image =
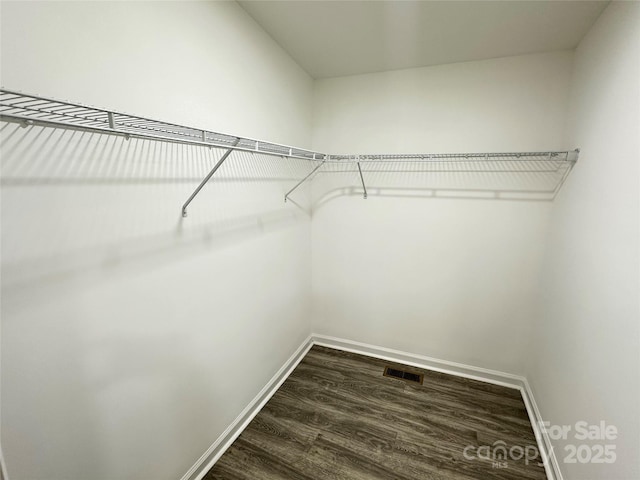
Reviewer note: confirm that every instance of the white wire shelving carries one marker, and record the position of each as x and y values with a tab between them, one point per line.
28	109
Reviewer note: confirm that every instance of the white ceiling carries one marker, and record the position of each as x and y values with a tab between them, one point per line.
336	38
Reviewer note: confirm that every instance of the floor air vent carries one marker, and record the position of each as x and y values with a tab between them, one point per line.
403	375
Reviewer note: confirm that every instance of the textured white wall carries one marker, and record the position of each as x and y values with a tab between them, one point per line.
131	338
451	278
584	355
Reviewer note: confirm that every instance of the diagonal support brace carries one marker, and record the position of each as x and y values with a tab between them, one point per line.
206	179
364	187
286	195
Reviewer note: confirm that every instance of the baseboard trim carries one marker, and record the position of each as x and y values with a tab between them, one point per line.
421	361
224	441
552	466
215	451
495	377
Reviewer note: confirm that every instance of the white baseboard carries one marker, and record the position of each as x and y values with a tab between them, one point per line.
421	361
552	466
215	451
495	377
224	441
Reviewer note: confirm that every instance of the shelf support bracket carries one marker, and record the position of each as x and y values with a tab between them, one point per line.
206	179
364	187
286	195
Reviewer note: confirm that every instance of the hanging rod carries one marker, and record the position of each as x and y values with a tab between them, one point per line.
28	109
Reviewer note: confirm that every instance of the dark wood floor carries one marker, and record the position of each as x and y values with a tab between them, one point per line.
338	417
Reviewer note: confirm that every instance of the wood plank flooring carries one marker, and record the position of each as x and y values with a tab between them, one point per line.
337	417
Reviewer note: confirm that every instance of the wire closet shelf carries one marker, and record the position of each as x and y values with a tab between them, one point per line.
28	110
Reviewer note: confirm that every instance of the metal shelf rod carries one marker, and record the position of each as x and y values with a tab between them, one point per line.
20	107
364	187
27	109
23	120
205	180
286	195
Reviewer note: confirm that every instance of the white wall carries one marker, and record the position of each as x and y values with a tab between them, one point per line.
584	355
120	320
132	338
506	103
451	278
